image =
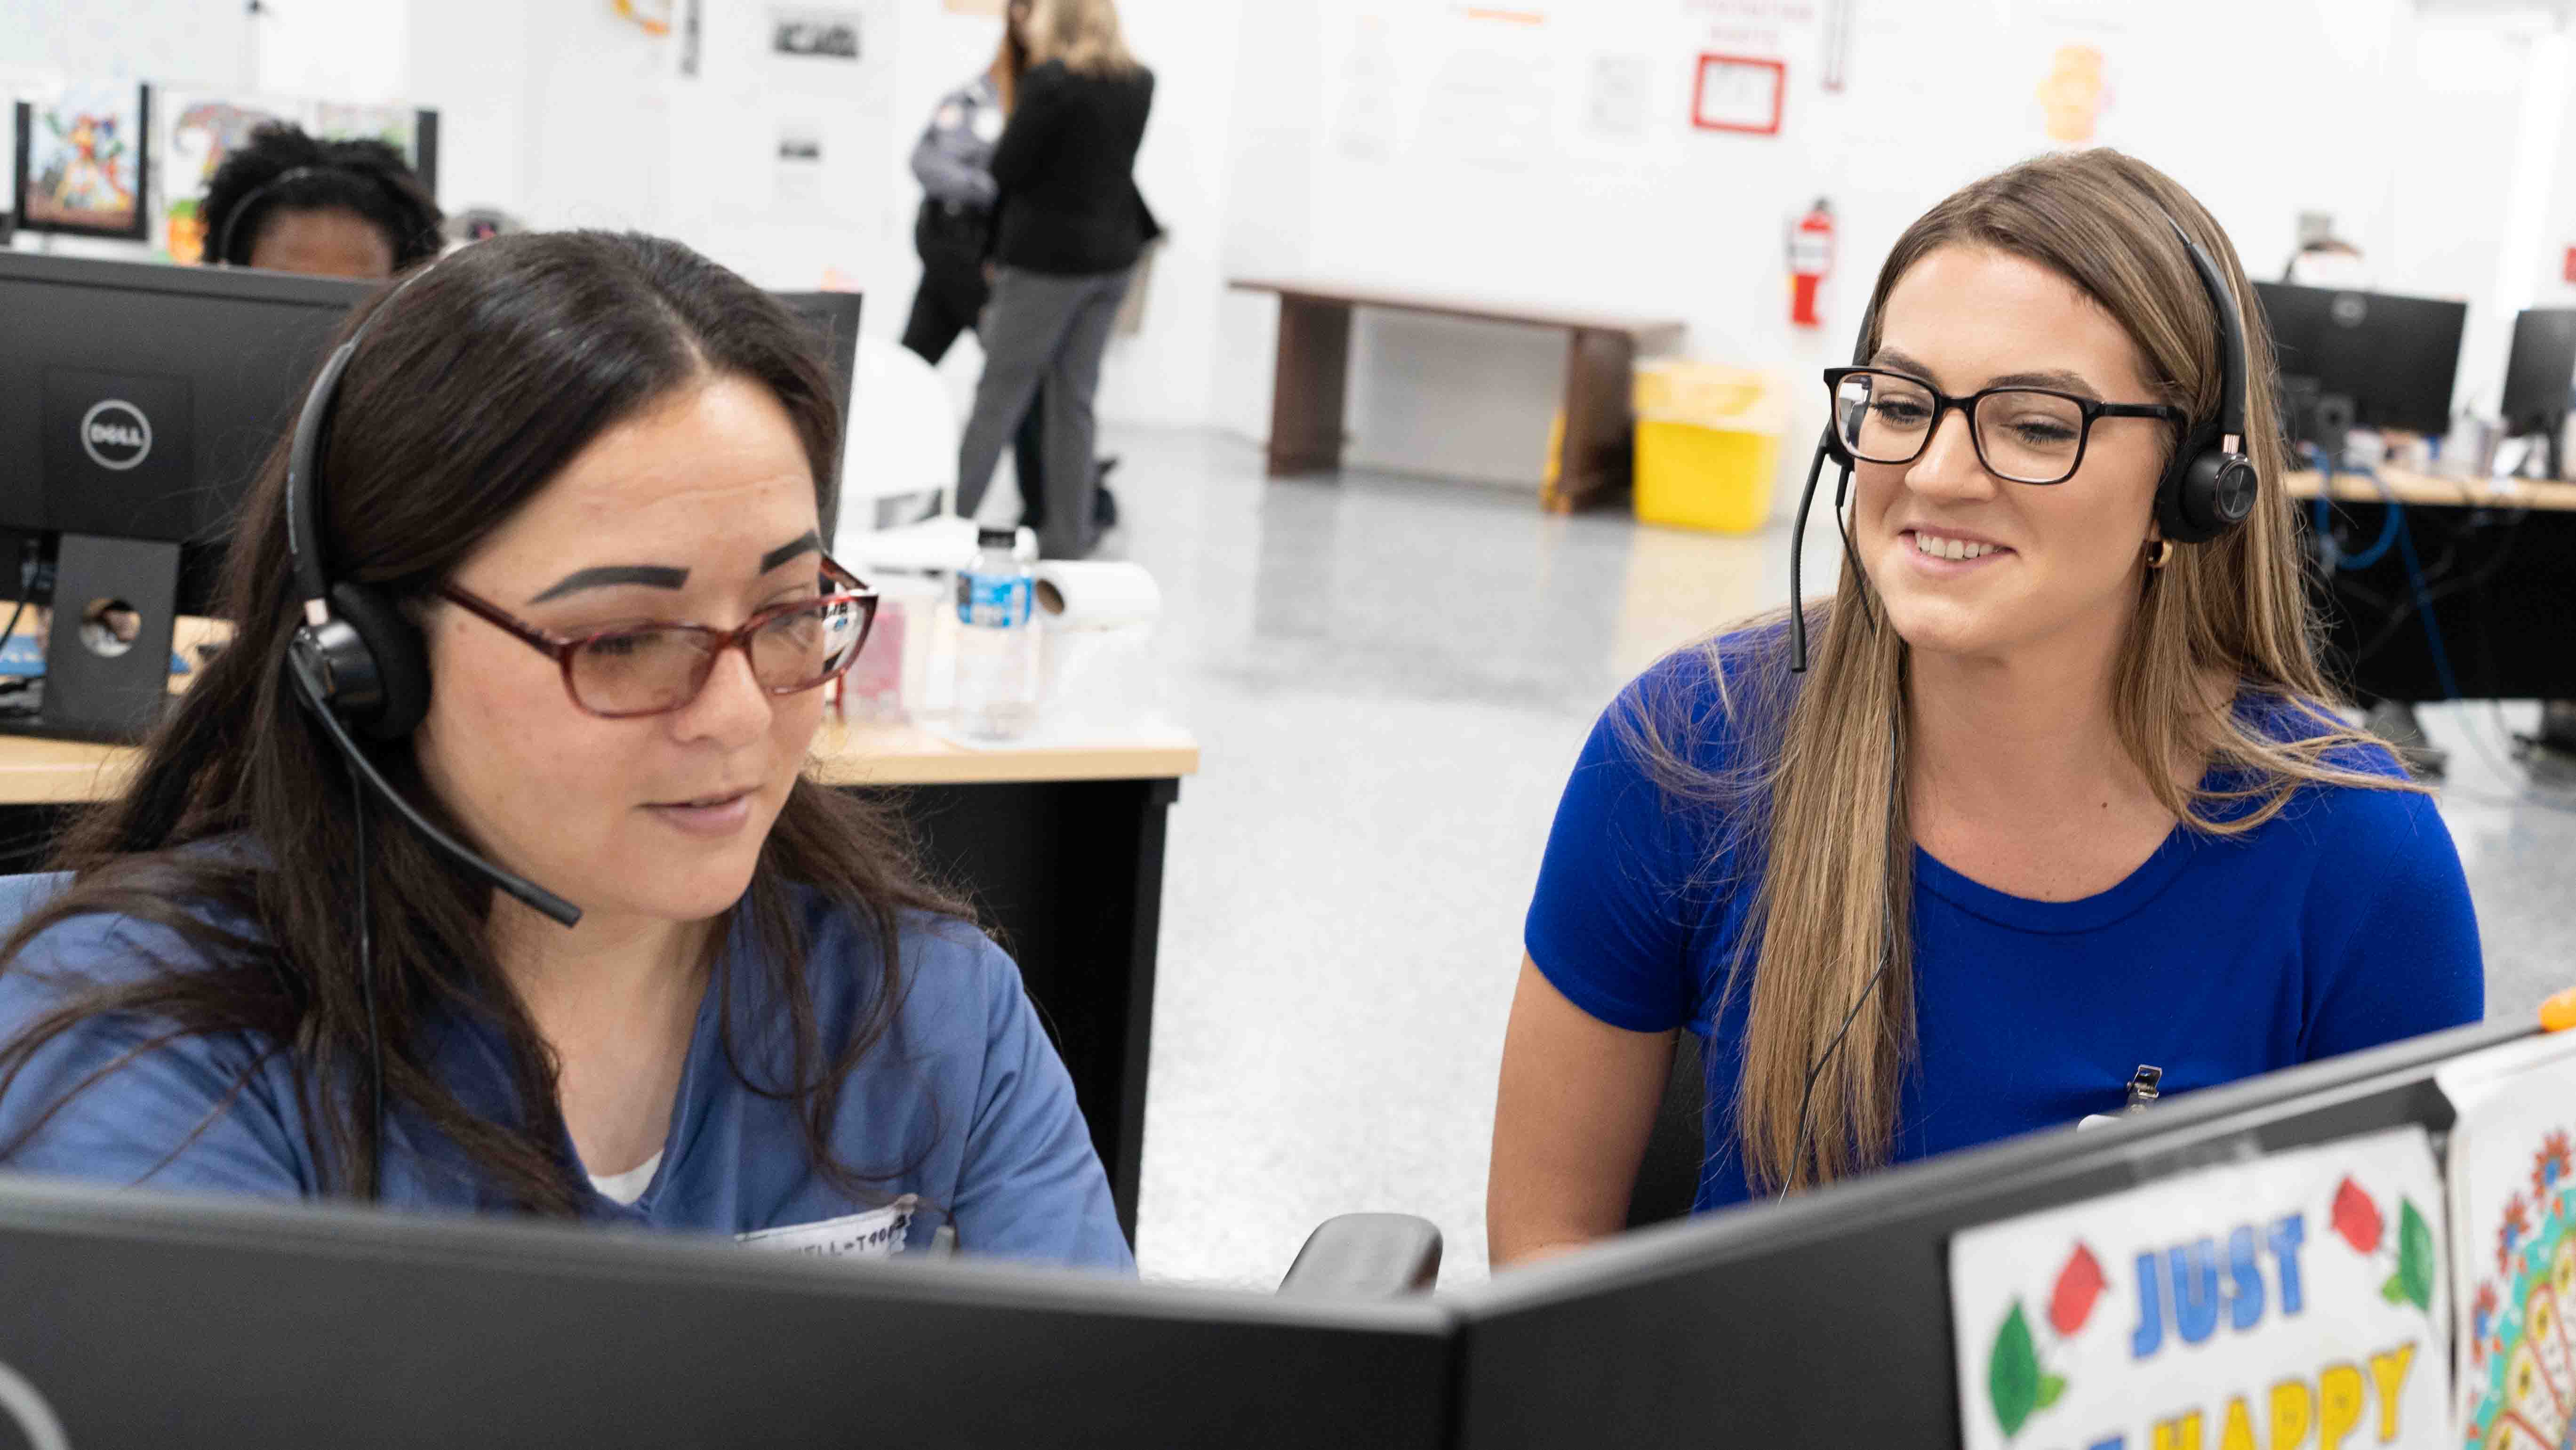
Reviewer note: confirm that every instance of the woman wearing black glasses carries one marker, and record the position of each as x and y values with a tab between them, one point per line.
2060	797
589	469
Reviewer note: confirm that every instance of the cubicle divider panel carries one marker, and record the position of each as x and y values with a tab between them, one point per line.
1826	1320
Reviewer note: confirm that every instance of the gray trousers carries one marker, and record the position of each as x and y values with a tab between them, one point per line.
1042	331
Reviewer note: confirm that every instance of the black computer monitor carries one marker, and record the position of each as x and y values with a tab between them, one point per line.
143	1319
834	315
2393	359
137	402
2538	375
1723	1329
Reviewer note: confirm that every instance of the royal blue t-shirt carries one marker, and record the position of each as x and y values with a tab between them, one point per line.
964	1105
2341	923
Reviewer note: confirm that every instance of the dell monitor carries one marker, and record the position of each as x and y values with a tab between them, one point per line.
2383	361
137	402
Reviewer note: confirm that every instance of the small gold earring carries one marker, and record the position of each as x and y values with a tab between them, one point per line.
2159	553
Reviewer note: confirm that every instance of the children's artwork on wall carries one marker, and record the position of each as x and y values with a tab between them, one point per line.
82	156
2513	1195
2300	1298
197	130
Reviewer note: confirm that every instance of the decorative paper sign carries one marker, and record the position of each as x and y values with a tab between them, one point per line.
1740	93
2513	1196
2294	1301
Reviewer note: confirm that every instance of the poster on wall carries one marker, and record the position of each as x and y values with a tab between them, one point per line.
1740	93
196	130
2513	1195
2300	1298
815	33
82	156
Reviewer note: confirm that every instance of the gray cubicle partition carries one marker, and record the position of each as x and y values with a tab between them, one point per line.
1826	1320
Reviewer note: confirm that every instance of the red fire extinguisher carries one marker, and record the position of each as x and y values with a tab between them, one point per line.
1811	260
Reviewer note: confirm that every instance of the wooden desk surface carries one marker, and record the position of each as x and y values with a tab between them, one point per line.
49	772
2432	491
1647	331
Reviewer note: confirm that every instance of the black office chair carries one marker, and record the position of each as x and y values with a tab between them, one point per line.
1368	1255
1668	1176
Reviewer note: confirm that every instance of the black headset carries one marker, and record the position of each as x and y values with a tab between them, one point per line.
356	662
2207	490
223	252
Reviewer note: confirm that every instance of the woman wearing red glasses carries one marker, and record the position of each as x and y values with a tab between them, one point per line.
588	473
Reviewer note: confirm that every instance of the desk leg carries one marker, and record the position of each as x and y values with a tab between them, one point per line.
1594	458
1310	386
1069	875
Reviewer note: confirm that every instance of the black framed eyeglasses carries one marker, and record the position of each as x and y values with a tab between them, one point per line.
2024	435
653	669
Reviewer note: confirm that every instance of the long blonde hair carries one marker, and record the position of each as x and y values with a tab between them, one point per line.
1815	809
1083	34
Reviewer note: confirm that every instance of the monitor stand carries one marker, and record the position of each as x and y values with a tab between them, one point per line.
2547	431
97	686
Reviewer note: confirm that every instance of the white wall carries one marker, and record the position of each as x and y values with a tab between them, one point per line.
1396	141
2403	129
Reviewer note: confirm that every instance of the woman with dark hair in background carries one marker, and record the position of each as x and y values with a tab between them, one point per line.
1070	228
287	202
582	477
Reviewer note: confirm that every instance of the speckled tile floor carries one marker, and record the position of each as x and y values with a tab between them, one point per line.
1389	679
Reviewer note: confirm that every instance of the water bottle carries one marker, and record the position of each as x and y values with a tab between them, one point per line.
996	640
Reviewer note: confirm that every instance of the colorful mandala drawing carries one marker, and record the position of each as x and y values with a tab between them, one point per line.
2522	1347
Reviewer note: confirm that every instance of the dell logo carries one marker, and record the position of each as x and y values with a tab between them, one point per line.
115	434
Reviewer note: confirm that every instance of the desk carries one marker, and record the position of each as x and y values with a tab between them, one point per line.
1061	848
1310	387
2499	562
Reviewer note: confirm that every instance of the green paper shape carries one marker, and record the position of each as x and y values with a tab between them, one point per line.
2012	1373
2051	1388
2416	1258
2394	1291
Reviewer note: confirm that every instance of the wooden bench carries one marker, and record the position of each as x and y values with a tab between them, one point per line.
1312	383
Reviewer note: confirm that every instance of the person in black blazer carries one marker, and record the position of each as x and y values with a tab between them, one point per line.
1069	227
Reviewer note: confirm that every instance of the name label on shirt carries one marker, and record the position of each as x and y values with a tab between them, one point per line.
876	1234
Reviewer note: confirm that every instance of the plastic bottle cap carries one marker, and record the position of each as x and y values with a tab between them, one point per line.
2559	1012
996	538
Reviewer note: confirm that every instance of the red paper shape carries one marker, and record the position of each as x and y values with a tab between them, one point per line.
1716	72
2079	1284
2357	1218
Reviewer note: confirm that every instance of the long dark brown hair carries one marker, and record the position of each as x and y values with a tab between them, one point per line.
239	830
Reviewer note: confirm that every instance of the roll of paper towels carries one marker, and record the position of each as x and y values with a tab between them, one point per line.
1080	595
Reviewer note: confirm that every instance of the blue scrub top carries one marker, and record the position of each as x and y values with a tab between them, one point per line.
963	1105
2342	923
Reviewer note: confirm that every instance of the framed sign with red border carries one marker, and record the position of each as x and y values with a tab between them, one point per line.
1740	93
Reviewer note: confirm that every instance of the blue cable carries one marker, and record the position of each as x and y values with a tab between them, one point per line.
2323	517
2392	532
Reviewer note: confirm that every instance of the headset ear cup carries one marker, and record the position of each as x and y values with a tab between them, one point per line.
401	659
